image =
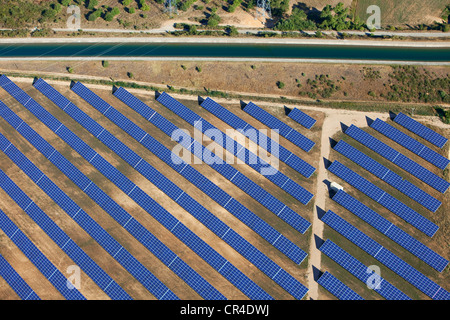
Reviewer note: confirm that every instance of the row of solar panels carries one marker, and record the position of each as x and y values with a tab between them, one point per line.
258	137
103	238
386	257
421	130
236	177
388	176
398	158
411	144
222	230
385	199
177	228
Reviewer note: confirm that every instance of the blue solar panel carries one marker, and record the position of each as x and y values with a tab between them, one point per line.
261	139
411	144
188	115
399	159
380	253
50	272
192	206
273	123
229	172
421	130
15	281
302	118
388	176
148	204
351	233
360	271
391	231
337	287
383	198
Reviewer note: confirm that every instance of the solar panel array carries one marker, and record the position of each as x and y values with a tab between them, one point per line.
211	256
258	137
382	254
397	158
388	176
302	118
104	239
384	198
15	281
411	144
89	266
237	178
337	287
218	227
273	123
360	271
391	231
48	269
199	180
421	130
234	147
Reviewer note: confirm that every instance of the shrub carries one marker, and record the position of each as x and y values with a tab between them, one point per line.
130	75
105	64
94	15
65	3
280	84
90	4
70	69
199	69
